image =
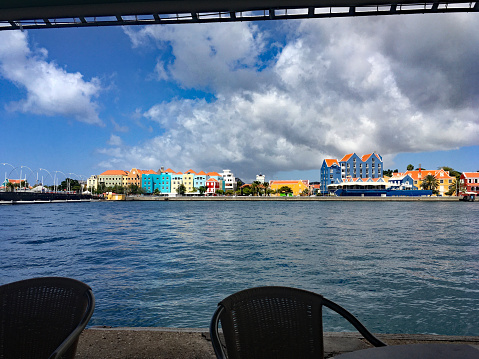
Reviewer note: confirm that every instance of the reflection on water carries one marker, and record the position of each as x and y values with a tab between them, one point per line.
399	267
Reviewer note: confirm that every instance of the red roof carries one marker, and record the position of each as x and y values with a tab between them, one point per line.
347	157
114	173
213	174
201	173
470	174
331	161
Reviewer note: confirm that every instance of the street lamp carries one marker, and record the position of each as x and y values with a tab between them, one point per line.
10	171
43	169
26	175
61	173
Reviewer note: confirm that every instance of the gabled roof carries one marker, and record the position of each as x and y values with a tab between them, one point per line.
366	157
471	174
169	170
114	173
346	157
179	173
190	171
331	161
211	180
436	173
148	172
201	173
213	174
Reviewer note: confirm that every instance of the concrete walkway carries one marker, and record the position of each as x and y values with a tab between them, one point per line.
173	343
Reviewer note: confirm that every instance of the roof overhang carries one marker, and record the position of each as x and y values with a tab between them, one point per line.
16	14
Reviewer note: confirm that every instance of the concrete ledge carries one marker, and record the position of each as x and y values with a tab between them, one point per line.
317	198
179	343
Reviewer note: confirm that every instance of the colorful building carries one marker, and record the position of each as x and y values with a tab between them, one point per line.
298	186
350	166
156	181
189	180
443	178
469	182
113	178
135	177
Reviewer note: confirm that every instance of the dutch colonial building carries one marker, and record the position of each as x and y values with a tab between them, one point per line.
157	181
200	180
350	166
297	187
443	178
189	180
134	177
470	182
113	178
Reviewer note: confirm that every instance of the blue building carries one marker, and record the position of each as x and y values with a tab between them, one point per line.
330	174
151	182
350	166
404	182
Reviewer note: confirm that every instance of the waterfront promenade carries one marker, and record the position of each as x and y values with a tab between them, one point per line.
314	198
173	343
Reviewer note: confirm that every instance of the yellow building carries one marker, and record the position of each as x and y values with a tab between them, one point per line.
189	180
443	178
298	186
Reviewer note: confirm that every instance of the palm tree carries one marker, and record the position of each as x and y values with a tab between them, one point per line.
10	186
430	183
265	188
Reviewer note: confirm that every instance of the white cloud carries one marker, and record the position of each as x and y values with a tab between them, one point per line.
345	85
115	140
50	90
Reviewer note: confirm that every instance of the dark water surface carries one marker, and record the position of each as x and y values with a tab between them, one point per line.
399	267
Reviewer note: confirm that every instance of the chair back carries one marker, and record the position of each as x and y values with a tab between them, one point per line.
43	317
274	322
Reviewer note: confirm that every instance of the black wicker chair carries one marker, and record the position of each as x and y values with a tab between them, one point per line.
43	317
275	322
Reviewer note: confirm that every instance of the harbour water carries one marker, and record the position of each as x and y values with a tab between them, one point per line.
399	267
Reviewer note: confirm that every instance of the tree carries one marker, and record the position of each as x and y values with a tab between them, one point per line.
10	187
456	187
305	192
202	190
157	191
430	183
410	167
388	172
285	190
220	192
265	186
229	192
181	190
255	188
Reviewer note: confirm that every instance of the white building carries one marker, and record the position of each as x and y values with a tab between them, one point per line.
260	178
92	183
230	180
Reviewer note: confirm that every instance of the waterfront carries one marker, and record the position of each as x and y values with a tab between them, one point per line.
399	267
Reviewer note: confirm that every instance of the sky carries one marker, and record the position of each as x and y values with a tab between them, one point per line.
273	97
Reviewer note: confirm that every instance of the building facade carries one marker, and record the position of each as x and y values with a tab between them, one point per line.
469	182
334	171
443	178
229	180
112	178
298	187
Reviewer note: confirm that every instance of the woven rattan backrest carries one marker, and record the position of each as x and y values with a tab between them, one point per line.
273	322
37	315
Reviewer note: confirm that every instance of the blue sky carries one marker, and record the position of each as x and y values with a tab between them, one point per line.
266	97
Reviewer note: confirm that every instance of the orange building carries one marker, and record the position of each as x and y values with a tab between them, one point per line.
134	176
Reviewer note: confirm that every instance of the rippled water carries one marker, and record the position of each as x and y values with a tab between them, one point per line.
399	267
